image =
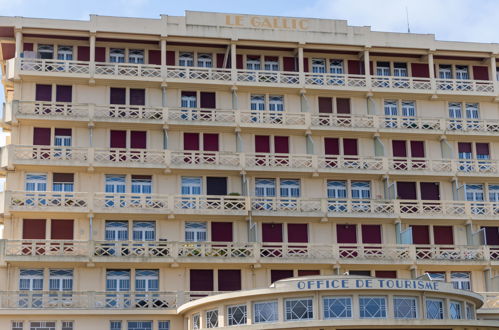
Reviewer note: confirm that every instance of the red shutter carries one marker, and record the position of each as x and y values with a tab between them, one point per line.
43	92
63	93
443	235
343	105
62	229
491	235
221	232
354	66
191	141
305	64
229	280
118	95
220	60
280	274
289	63
420	234
262	143
371	234
350	147
170	58
331	146
346	233
325	105
138	139
63	177
272	232
28	47
386	273
118	139
239	62
420	70
399	148
83	53
155	57
417	148
34	228
210	142
41	136
306	272
482	149
281	144
430	191
208	100
100	54
464	147
62	132
297	233
137	96
406	190
201	280
480	73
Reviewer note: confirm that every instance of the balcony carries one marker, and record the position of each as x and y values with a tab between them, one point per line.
491	302
264	78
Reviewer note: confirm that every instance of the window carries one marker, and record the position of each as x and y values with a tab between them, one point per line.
43	325
118	280
62	140
63	182
195	232
455	310
383	69
472	111
65	53
237	314
494	193
265	311
17	325
434	309
265	187
337	189
336	66
115	183
460	280
372	307
196	322
141	184
146	280
455	110
31	279
139	325
462	72
205	61
136	56
474	192
164	325
361	190
437	276
409	108
116	231
470	311
117	55
186	59
271	64
212	318
46	52
290	188
61	280
445	71
253	63
400	70
298	309
276	103
337	307
144	230
36	182
191	185
318	65
115	325
67	325
188	100
405	307
257	102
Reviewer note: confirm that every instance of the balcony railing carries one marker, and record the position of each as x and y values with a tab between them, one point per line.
491	300
250	251
253	77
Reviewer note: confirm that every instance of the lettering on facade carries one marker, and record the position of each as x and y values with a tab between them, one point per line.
367	284
266	22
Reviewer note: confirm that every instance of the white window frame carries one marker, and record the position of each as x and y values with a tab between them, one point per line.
186	59
267	316
461	280
453	310
413	308
195	231
367	301
61	280
65	53
306	302
117	55
343	301
136	56
319	65
146	280
336	66
231	310
144	230
433	301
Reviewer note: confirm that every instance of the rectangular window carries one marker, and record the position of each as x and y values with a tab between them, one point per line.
229	279
372	307
253	63
298	309
115	183
31	279
61	280
408	108
461	280
17	325
201	280
462	72
271	63
265	311
65	53
237	315
337	189
212	319
400	70
164	325
116	231
117	55
405	307
336	66
205	61
141	184
46	52
318	65
42	325
186	59
383	69
191	185
139	325
67	325
290	188
196	322
337	307
36	182
195	231
434	309
63	182
361	190
257	102
445	71
470	311
265	188
146	280
144	231
188	100
276	103
136	56
118	280
115	325
455	310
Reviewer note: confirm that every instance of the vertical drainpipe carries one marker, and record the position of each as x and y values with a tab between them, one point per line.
164	104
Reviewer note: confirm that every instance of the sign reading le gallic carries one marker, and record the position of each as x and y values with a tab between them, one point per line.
267	22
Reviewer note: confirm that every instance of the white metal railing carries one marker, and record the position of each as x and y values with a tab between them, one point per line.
268	77
335	80
401	83
465	85
199	115
127	112
47	200
204	158
75	155
54	66
198	73
46	247
129	156
59	110
128	70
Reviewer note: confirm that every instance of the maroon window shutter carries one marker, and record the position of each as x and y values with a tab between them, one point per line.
491	235
138	139
210	142
100	54
137	96
62	229
406	190
281	144
34	228
386	273
208	100
307	272
63	177
331	146
28	47
420	70
430	191
480	73
371	234
464	147
354	67
118	139
420	234
191	141
346	233
83	53
170	57
305	64
272	232
280	274
482	149
221	232
41	136
118	95
262	143
220	60
350	147
325	105
155	57
63	93
343	105
62	132
229	280
201	280
43	92
443	235
417	148
239	62
289	63
399	148
297	233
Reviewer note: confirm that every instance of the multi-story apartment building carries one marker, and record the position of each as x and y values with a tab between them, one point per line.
161	174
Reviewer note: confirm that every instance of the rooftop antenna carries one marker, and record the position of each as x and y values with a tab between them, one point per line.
407	17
